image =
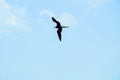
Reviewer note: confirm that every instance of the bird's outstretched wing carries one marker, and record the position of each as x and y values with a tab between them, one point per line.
54	20
59	34
65	26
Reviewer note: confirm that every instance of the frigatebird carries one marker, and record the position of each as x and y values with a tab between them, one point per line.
59	27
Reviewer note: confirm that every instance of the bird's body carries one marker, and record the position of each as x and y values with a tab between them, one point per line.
59	27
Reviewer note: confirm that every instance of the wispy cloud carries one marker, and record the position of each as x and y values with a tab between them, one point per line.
64	18
5	32
68	19
91	5
91	2
96	3
12	17
47	12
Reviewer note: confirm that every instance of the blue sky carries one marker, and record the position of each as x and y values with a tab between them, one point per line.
30	49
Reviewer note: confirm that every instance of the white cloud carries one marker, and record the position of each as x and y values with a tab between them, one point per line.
96	3
20	12
91	2
66	19
5	32
12	17
17	23
47	12
91	5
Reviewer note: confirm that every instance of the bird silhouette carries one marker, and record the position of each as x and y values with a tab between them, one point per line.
59	27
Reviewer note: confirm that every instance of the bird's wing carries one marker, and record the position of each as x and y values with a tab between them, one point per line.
65	26
54	20
59	34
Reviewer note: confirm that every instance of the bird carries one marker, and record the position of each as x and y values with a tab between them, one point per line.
59	27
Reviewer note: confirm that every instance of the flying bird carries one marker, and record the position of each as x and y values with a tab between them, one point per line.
59	27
